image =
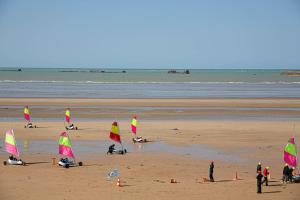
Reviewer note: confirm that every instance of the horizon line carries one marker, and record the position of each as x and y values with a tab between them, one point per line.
156	68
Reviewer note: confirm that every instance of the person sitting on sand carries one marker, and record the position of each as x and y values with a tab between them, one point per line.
211	171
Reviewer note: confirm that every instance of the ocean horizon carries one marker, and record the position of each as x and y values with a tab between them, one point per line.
147	83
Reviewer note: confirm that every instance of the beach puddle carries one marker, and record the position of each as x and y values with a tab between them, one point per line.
84	149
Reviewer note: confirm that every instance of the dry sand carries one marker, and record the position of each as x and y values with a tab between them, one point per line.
147	175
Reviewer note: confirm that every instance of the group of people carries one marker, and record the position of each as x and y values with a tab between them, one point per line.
288	173
262	176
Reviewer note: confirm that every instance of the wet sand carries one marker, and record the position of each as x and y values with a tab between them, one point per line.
147	174
11	109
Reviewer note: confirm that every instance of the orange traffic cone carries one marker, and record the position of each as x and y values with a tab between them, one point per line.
118	182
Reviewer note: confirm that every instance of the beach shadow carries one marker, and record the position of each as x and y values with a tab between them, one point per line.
224	181
159	181
271	192
275	185
272	181
90	165
126	185
34	163
141	143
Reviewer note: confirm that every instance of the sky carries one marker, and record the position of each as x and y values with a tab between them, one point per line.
150	34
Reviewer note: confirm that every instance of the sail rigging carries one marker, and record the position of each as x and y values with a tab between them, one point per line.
290	153
65	146
10	143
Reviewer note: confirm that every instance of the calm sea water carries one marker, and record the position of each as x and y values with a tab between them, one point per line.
154	83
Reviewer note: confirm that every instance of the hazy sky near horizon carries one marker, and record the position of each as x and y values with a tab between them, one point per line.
150	34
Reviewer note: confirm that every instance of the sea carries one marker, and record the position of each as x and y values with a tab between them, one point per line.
147	83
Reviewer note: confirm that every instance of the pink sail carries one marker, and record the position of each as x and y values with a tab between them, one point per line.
133	125
10	143
290	153
290	159
66	151
68	115
26	113
65	146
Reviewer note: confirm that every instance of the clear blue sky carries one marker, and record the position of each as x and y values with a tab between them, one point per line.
150	34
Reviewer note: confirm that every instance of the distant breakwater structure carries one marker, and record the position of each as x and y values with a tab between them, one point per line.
178	72
94	71
291	73
103	71
11	70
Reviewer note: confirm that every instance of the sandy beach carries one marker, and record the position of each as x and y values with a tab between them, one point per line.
235	133
135	100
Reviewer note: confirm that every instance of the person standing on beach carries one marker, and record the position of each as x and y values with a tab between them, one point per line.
285	173
290	174
259	179
258	168
211	171
265	174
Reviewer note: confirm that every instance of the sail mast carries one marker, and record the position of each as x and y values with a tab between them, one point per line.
295	146
10	143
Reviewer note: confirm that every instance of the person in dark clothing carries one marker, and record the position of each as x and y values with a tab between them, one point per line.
111	148
259	183
258	168
285	173
11	157
290	175
211	171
